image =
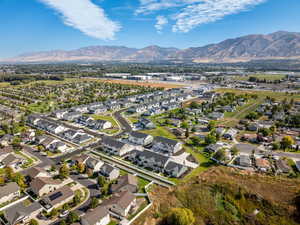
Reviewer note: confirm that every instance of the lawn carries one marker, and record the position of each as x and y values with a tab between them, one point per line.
160	131
141	184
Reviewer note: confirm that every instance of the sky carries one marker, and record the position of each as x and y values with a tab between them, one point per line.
41	25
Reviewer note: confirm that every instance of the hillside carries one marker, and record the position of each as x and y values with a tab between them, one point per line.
276	46
226	196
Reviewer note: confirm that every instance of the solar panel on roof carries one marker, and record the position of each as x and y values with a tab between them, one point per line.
55	196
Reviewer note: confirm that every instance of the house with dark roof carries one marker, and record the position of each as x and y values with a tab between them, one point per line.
57	198
98	216
139	138
21	213
110	172
166	145
297	163
174	169
115	147
9	192
93	164
245	161
149	159
230	134
127	182
120	203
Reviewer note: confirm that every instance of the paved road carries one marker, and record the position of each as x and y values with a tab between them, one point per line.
122	121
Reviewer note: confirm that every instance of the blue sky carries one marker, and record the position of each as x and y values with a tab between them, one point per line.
38	25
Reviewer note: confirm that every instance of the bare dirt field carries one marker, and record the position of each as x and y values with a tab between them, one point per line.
146	84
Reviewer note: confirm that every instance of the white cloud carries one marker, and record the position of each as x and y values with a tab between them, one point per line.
192	13
161	22
86	17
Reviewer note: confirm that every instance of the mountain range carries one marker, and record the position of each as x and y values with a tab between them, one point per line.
278	45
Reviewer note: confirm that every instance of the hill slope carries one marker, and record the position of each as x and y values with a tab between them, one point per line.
278	45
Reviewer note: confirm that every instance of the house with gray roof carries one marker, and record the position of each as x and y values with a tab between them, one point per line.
98	216
9	192
139	138
174	169
127	182
110	172
166	145
115	147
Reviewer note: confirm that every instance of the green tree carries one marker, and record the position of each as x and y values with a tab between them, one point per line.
210	139
94	203
72	218
64	171
212	125
234	151
33	222
180	216
101	181
66	206
63	222
77	198
80	167
9	173
53	213
287	142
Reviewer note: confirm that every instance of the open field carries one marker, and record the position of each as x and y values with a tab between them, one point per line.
261	94
268	77
223	195
145	84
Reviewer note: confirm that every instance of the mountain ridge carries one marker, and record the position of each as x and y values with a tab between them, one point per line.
277	45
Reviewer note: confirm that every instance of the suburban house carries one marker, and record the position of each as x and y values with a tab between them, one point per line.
44	185
282	166
148	159
262	164
82	158
127	182
100	125
4	152
6	139
59	113
57	198
166	146
94	164
98	216
213	148
12	160
230	134
115	147
139	138
174	169
245	161
19	213
9	192
35	172
121	203
110	172
71	116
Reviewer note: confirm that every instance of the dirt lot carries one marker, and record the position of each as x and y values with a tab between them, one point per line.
147	84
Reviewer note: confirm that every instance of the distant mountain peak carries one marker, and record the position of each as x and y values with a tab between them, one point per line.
277	45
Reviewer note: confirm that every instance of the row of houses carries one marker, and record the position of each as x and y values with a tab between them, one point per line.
75	136
157	162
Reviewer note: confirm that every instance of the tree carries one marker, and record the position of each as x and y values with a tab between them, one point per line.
77	198
105	189
94	203
287	142
187	132
63	222
9	173
196	141
2	180
33	222
66	206
19	179
53	213
180	216
220	155
234	151
184	125
72	218
64	171
275	146
80	167
210	139
212	125
101	181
